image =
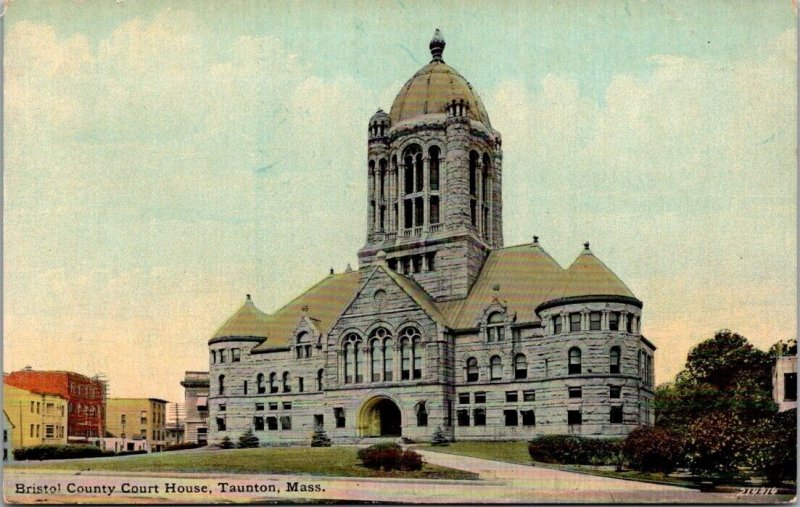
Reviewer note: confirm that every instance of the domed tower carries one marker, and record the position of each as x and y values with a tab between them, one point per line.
435	181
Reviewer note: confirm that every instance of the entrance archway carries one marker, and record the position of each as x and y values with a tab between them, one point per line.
380	417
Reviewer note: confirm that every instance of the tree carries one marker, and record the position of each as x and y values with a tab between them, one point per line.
652	449
248	440
784	348
439	438
726	374
717	445
320	438
226	443
772	447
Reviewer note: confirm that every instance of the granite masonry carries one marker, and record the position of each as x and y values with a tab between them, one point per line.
440	325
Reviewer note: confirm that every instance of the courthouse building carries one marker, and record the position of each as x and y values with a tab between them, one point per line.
441	325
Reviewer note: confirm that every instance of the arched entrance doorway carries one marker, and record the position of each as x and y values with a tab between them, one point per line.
379	417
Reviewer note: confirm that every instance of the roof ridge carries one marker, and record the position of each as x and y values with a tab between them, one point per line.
312	288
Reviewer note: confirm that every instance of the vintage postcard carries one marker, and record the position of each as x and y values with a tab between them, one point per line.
454	252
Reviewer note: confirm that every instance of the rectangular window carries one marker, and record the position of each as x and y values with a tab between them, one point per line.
222	355
287	405
273	406
38	407
258	423
286	422
479	416
50	408
245	387
259	406
528	418
143	416
511	417
615	415
463	399
790	386
528	395
418	215
338	414
32	430
49	431
575	392
594	321
615	392
629	323
408	213
613	321
480	397
574	417
319	421
431	261
236	355
557	324
434	209
144	434
222	408
220	424
300	384
272	423
512	396
574	322
448	413
416	263
463	417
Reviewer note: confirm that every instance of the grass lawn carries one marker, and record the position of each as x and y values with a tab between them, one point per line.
517	452
326	461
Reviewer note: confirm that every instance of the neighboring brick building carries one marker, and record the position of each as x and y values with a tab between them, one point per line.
38	418
85	397
441	325
195	385
137	419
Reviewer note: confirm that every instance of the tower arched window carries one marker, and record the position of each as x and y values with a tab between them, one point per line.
388	358
495	327
412	205
382	203
472	370
221	384
260	387
473	187
496	368
574	361
377	347
485	194
273	382
405	359
303	347
433	156
375	357
614	356
287	382
411	351
320	373
520	366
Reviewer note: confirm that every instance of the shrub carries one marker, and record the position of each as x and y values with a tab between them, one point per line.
128	453
439	437
651	449
51	451
716	445
182	446
569	449
248	440
320	438
226	443
389	456
772	447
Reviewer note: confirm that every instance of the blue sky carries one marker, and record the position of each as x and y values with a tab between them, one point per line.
165	158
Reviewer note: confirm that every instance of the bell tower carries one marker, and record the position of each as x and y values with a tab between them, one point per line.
434	173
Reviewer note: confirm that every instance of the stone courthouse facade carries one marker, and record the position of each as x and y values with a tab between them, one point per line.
441	325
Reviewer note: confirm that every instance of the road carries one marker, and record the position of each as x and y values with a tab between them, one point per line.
500	483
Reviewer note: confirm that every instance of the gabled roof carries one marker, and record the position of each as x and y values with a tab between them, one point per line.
418	294
522	275
325	302
588	277
247	321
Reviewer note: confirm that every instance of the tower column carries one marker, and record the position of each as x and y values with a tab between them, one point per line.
426	192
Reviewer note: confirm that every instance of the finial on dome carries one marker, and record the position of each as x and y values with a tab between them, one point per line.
586	246
248	297
437	46
536	240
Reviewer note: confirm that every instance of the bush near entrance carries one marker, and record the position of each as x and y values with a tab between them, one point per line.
390	456
574	450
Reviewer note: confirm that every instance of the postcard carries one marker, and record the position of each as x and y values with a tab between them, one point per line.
456	252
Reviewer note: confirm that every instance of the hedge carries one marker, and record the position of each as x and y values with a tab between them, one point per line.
389	456
51	451
653	449
574	450
182	446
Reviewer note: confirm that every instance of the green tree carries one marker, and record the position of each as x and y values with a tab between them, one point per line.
320	438
226	443
248	440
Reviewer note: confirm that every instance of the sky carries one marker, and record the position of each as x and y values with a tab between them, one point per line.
164	158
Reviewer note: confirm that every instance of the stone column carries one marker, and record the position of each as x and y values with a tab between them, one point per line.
426	191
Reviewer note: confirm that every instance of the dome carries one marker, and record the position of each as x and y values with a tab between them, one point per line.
433	87
247	322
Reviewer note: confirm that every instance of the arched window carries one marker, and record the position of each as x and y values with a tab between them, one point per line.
520	366
473	187
485	194
411	359
495	328
433	155
273	385
614	354
574	361
472	370
222	384
320	373
422	413
260	387
375	355
303	345
287	382
353	359
388	355
557	324
405	359
213	357
496	368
